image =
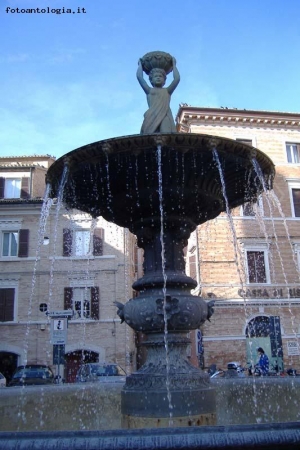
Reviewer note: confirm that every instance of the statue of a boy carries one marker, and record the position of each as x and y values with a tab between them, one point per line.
158	118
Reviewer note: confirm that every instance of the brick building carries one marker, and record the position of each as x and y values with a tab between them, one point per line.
57	261
250	264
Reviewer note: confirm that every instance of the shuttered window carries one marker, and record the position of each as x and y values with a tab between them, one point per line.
15	243
15	187
76	242
84	302
7	299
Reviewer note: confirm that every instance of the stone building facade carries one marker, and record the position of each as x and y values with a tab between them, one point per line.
249	262
56	261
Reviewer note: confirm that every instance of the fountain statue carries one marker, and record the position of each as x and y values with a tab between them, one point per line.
161	185
158	118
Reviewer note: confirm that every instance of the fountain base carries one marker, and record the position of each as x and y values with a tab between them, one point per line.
134	422
167	389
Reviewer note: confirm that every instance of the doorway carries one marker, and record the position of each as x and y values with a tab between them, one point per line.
265	332
8	364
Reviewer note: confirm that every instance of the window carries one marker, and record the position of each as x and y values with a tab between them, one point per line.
15	243
84	302
77	242
294	191
82	242
81	303
297	252
293	153
7	301
296	201
10	243
14	187
257	266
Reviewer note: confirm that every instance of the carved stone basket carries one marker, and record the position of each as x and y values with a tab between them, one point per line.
157	60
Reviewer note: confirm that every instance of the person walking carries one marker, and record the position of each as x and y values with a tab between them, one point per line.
263	362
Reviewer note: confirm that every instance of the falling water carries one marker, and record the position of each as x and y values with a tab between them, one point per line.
237	255
160	192
126	295
229	216
47	203
277	203
58	207
109	195
136	182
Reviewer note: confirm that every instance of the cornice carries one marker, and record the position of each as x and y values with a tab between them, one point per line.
190	115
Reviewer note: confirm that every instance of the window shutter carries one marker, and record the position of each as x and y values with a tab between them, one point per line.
2	184
67	242
25	187
68	295
192	264
95	301
98	242
23	243
7	297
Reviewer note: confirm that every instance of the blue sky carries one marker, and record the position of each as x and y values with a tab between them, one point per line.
67	80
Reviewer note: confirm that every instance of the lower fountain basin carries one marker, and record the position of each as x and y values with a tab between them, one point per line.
94	406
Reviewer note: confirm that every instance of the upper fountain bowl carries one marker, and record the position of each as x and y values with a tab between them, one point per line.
130	180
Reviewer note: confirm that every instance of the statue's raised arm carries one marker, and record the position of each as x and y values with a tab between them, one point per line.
158	118
139	75
176	77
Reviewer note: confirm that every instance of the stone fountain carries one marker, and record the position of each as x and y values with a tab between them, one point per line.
160	185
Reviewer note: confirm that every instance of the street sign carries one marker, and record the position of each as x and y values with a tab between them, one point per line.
58	354
64	313
59	327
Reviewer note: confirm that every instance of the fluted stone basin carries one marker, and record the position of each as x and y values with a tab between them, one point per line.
119	178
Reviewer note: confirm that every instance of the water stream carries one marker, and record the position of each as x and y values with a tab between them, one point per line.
237	257
163	259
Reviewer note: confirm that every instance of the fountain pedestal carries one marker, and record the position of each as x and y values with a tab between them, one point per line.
167	389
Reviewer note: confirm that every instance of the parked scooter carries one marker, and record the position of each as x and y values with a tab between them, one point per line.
234	369
257	372
292	372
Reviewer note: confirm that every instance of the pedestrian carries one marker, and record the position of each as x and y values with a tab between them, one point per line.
263	362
